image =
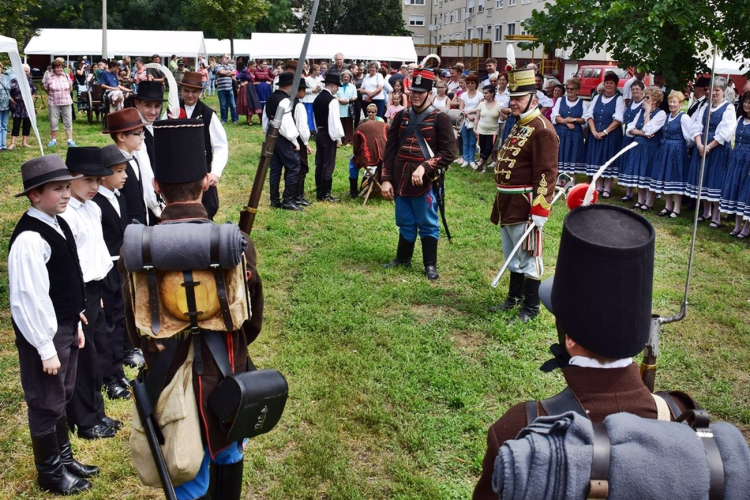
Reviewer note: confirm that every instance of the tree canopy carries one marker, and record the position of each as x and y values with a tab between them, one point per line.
361	17
672	36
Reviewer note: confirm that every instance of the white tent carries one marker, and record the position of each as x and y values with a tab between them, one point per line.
216	47
360	47
67	42
10	46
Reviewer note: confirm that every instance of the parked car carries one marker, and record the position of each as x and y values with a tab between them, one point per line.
591	76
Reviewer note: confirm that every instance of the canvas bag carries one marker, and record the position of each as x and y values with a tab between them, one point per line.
176	412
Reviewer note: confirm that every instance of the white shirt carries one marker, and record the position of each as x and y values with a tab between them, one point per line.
619	107
146	174
726	128
452	86
310	94
85	221
626	93
585	362
371	83
443	105
544	101
300	119
470	103
650	128
556	109
335	129
288	129
219	143
28	280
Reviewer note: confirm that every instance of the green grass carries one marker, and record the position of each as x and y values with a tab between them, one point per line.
394	380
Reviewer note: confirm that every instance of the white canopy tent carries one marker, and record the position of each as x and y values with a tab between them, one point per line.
216	47
67	42
10	46
360	47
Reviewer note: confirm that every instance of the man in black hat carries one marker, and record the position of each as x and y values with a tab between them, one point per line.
420	146
525	176
181	178
328	137
285	154
601	299
700	91
149	98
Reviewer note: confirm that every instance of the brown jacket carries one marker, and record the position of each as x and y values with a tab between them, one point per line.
369	143
236	342
602	392
401	161
526	171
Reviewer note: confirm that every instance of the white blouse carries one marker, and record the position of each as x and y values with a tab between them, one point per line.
650	128
619	107
726	128
556	109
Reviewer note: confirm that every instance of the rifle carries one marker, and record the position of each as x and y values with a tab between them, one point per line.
247	215
439	183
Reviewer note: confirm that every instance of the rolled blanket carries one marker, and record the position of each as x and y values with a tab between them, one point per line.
650	460
183	245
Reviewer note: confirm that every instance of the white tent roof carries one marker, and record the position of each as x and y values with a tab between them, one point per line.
360	47
119	42
216	47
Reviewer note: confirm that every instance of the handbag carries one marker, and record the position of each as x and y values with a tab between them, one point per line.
248	404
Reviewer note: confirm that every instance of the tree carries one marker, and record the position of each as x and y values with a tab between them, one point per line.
16	21
361	17
223	17
672	36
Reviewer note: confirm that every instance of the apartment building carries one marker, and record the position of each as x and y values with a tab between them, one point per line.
473	30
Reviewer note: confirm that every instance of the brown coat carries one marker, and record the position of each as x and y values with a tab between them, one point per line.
236	342
369	143
527	162
602	392
400	163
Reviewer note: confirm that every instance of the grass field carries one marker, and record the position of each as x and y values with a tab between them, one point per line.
394	380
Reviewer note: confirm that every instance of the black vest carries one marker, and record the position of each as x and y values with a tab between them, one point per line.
148	141
113	225
320	108
133	194
272	104
205	113
63	267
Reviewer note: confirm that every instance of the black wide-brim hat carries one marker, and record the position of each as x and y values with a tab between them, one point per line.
179	151
602	288
112	155
286	79
149	91
39	171
86	160
332	78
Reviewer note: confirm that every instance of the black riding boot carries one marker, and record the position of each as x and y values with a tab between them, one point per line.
403	254
288	203
530	306
300	198
53	476
226	481
66	453
515	293
353	187
329	197
429	257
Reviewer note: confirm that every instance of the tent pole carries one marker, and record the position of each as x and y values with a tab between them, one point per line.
104	29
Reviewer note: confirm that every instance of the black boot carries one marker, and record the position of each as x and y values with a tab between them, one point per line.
403	254
429	257
353	188
53	476
300	198
320	186
530	306
287	203
66	453
226	481
329	197
515	293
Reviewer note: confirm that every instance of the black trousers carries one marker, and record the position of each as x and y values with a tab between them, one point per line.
110	358
17	127
304	168
86	407
325	162
211	201
485	146
357	111
47	395
284	157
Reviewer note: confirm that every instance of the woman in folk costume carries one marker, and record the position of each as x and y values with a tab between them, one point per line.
525	176
716	152
604	117
646	127
567	115
637	91
671	159
735	197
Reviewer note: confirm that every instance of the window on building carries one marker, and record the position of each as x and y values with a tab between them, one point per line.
470	7
415	2
511	29
480	32
417	39
498	33
452	17
416	20
480	6
458	15
468	34
511	3
498	4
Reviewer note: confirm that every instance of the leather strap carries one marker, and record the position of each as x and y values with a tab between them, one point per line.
532	411
153	287
221	288
663	411
218	351
699	421
563	402
599	483
157	371
192	315
415	121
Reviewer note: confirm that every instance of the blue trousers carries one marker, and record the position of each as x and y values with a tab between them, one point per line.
470	143
226	99
4	127
418	214
198	486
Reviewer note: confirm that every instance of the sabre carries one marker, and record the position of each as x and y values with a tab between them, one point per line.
561	191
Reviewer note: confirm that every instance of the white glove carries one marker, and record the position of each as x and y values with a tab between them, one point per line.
538	220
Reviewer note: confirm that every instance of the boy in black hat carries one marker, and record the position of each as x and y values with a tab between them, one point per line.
46	302
86	408
148	101
603	317
114	221
328	138
302	124
285	154
181	178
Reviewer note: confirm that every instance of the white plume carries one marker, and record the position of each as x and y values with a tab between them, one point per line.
427	57
173	99
511	56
